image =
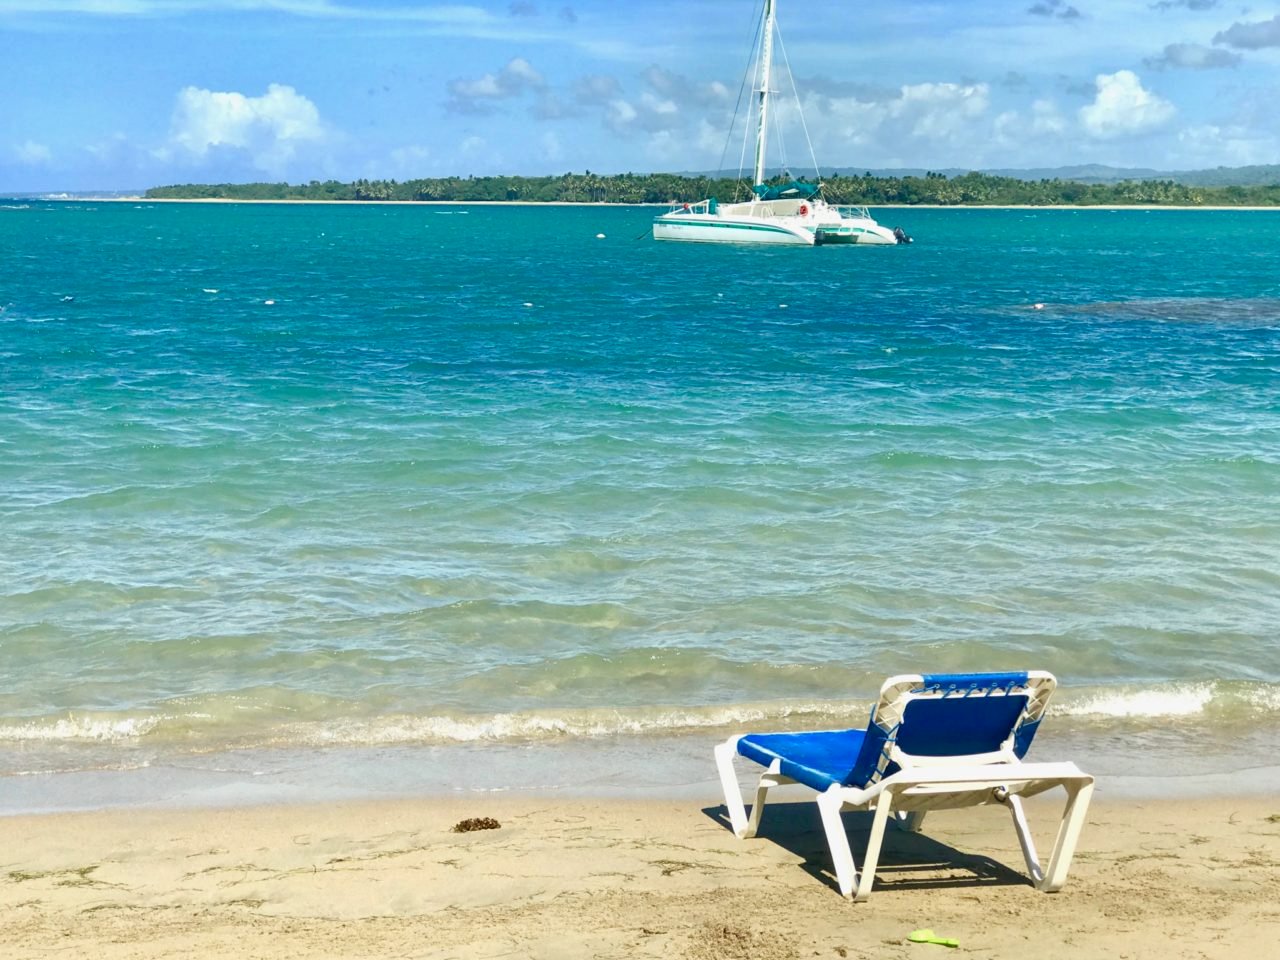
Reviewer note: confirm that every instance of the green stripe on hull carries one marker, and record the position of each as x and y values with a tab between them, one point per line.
724	226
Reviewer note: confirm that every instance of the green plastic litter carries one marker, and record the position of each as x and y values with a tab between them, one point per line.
928	936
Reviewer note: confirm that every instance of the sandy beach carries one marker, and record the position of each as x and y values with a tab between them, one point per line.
568	878
324	534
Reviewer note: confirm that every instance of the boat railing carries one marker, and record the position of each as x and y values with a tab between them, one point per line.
702	206
854	213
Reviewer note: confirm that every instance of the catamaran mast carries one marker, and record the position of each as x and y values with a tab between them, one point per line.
762	114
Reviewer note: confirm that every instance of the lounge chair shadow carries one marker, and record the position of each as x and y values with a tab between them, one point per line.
908	861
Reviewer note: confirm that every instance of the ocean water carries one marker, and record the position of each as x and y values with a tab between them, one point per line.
434	493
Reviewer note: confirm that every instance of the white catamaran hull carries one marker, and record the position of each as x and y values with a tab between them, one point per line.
713	228
864	232
791	222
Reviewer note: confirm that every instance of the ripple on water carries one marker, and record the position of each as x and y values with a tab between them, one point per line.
398	506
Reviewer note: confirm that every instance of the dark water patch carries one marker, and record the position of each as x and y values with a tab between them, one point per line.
1261	312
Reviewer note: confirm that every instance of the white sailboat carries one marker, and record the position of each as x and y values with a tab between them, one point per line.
793	213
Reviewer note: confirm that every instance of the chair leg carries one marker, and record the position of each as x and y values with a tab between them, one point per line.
912	822
725	753
767	779
1078	797
1014	803
829	806
874	842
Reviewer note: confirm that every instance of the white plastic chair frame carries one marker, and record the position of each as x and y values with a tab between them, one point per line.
930	783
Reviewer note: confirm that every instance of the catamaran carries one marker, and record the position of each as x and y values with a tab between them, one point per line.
791	213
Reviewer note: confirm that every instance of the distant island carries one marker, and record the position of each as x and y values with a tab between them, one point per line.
964	189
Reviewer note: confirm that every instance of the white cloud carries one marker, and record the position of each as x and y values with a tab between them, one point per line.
1008	127
521	72
1028	136
854	121
596	89
1122	106
486	87
619	114
942	118
1020	135
659	105
711	139
1059	9
941	110
32	154
1230	145
1193	56
677	87
478	95
1045	118
672	104
269	128
1251	36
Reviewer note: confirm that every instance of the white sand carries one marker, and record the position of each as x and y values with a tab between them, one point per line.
601	878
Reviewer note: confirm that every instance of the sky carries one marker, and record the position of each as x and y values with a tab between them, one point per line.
127	94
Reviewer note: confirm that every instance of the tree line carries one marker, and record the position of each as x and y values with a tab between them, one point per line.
970	189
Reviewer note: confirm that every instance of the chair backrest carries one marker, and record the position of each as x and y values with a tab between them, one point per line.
951	718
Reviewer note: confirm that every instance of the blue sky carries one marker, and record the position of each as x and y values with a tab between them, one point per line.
124	94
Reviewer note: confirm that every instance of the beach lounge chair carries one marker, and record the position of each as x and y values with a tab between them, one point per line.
934	742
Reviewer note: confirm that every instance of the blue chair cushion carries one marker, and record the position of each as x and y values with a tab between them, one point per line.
959	725
953	726
817	760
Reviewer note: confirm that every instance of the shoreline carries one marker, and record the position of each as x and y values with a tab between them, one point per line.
577	879
633	206
1134	765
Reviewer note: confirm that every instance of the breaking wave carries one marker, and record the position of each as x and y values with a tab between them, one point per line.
206	730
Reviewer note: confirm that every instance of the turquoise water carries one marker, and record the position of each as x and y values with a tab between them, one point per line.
355	477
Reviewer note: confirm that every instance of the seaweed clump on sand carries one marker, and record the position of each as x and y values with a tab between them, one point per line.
476	823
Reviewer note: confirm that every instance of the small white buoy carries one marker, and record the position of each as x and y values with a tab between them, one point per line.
599	236
269	303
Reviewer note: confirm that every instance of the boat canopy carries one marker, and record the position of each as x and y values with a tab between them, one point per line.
786	191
